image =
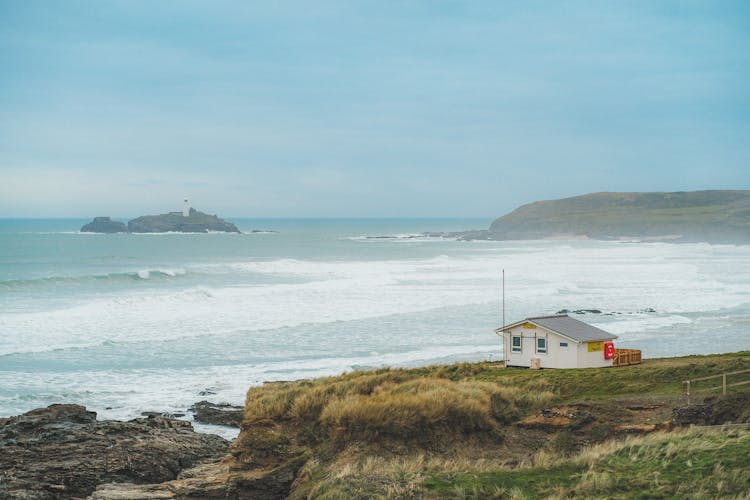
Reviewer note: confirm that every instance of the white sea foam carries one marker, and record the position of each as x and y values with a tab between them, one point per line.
538	281
297	317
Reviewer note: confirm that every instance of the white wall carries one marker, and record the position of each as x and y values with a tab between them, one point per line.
593	359
555	357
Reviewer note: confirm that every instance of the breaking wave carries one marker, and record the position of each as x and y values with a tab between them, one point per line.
128	276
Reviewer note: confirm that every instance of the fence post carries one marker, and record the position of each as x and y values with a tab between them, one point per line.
687	391
724	384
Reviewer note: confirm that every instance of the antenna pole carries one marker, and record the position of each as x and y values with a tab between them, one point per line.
503	300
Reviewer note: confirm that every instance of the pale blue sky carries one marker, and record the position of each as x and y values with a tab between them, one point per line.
378	108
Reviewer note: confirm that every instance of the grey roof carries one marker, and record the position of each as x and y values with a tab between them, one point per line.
572	328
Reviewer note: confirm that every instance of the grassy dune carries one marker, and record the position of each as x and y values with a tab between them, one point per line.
479	430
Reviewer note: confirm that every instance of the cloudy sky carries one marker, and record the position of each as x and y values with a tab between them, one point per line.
365	108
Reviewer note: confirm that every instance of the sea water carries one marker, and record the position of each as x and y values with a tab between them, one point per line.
127	323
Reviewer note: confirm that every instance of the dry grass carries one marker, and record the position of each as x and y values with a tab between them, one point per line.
400	404
416	406
448	432
697	463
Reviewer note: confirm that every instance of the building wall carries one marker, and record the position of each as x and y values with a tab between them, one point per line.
557	356
593	359
575	355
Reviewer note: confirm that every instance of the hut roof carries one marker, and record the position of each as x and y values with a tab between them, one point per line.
568	327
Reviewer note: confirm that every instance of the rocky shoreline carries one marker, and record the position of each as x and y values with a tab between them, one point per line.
63	451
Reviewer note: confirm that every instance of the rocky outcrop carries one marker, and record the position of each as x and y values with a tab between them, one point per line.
715	410
217	413
195	222
62	451
104	225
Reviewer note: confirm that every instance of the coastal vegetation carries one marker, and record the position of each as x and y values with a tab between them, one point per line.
480	430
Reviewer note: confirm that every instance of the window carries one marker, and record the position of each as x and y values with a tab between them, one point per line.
516	343
563	344
541	345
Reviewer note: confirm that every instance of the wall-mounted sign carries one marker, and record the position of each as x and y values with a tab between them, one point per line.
529	326
596	346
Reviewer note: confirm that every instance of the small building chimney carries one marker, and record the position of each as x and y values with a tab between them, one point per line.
185	208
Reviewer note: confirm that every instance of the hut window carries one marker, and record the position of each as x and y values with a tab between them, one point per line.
563	344
541	345
516	343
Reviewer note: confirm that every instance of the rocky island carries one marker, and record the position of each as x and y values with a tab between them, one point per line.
188	221
712	216
104	225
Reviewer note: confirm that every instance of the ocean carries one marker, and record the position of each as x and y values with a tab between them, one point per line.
128	323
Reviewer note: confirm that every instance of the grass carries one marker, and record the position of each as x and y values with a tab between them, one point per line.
693	464
398	404
696	464
451	431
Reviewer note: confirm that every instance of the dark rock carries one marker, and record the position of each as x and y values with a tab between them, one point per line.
104	225
715	410
62	451
196	222
151	414
217	413
692	415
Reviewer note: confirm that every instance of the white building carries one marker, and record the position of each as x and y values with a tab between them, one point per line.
556	342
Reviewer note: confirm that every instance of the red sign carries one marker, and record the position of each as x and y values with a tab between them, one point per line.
609	350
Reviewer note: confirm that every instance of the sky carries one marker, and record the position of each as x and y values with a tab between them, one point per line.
365	108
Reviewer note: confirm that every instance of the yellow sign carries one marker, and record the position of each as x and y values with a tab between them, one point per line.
529	326
596	346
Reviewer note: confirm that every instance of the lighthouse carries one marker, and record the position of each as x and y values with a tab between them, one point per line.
185	208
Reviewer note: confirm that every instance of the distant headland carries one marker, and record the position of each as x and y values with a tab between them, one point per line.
189	220
711	216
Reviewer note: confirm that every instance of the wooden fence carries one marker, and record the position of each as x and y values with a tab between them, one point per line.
624	357
692	386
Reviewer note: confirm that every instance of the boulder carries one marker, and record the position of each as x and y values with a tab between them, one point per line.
217	413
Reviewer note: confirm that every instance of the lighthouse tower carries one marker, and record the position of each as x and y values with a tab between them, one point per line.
185	208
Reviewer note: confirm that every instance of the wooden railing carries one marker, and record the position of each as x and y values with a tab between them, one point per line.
691	387
624	357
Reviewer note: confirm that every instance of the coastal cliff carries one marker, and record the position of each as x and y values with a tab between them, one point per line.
712	216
